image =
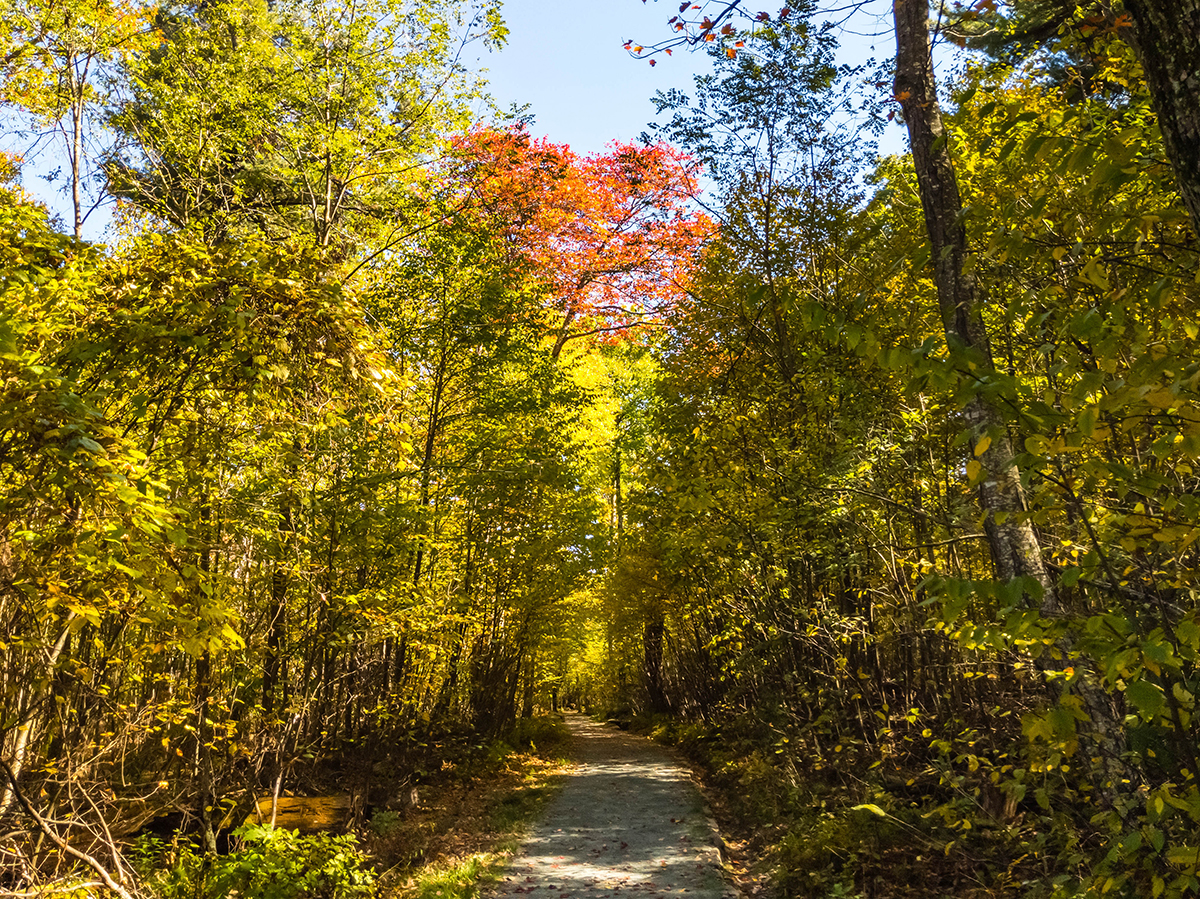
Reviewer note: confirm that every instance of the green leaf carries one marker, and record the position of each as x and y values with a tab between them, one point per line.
1087	420
1147	698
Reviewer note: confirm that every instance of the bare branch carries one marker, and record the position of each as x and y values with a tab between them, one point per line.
58	841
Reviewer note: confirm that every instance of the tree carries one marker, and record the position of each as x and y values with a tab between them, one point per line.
1015	549
1168	39
1166	35
608	239
1031	193
296	117
59	62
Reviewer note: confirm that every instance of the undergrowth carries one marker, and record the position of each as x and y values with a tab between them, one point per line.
457	838
270	863
483	828
821	818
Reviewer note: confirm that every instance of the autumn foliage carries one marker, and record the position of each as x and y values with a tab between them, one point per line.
609	239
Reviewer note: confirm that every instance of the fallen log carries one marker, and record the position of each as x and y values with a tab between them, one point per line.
307	814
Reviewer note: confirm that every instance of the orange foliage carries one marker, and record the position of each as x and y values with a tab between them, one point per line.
609	239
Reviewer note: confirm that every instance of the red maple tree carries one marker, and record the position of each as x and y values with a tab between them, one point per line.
609	238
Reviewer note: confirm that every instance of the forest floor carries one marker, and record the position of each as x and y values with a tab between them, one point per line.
627	824
465	826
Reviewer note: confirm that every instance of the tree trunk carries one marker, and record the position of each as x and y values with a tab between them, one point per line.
618	501
207	801
529	685
29	702
1168	42
77	66
1014	547
653	635
435	410
77	164
273	661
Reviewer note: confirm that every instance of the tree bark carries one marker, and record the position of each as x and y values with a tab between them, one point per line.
1168	43
1014	547
653	634
204	730
29	702
273	669
76	154
435	421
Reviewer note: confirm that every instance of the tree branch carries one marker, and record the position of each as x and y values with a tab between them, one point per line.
58	841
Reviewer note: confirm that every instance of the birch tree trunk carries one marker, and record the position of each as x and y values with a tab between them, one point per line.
29	702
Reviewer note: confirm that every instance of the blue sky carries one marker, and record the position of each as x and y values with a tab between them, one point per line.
566	60
568	63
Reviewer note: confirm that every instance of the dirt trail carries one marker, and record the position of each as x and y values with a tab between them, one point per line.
628	824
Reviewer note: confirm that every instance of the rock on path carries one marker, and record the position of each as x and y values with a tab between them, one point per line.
628	824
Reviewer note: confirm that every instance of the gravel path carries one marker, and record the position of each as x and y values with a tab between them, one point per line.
628	824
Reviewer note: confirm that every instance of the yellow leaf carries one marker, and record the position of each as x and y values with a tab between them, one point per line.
870	807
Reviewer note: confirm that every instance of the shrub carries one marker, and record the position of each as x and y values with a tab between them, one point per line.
271	863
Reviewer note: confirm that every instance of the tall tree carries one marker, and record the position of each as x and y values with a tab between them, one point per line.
1168	40
58	62
1015	548
296	117
608	239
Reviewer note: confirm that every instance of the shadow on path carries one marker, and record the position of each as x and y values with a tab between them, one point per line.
628	823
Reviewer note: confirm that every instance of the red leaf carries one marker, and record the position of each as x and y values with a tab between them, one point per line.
593	231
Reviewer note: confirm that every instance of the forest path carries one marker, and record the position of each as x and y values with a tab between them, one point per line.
628	824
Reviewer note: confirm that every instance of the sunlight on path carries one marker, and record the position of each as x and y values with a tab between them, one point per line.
628	823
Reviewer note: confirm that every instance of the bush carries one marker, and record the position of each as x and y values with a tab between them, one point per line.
384	822
272	863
